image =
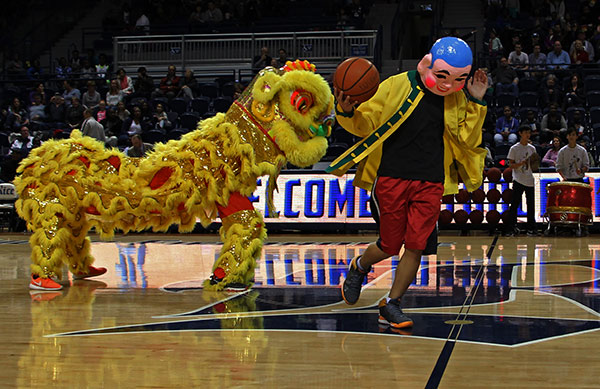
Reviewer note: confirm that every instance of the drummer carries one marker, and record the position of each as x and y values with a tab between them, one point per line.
572	162
521	156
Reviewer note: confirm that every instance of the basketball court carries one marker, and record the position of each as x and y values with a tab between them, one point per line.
489	311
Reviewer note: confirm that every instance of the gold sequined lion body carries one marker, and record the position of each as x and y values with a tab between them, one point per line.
66	187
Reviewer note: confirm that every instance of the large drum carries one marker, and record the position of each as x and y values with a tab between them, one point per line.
569	203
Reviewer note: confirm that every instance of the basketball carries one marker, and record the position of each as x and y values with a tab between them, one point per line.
358	78
463	197
507	174
461	216
445	217
478	196
506	217
476	216
507	195
448	199
492	216
494	175
493	195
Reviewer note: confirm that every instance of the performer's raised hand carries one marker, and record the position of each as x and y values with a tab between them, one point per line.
345	103
478	84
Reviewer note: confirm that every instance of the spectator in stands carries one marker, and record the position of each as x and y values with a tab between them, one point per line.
558	58
195	18
112	124
357	14
537	61
578	54
15	68
17	116
70	92
91	57
90	127
586	44
138	148
213	15
102	67
553	124
574	96
63	70
518	59
91	98
75	62
100	111
549	159
34	72
550	92
122	112
495	49
87	70
238	88
169	85
40	90
23	143
578	122
160	119
506	78
189	85
262	60
533	123
37	114
134	124
125	82
529	45
573	161
282	59
143	85
147	114
74	114
56	112
506	128
114	95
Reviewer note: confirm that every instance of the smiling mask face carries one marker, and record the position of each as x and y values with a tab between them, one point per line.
445	69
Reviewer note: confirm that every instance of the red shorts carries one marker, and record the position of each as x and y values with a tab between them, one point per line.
408	211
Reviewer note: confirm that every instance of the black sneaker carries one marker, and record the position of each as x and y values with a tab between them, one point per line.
532	233
391	313
353	283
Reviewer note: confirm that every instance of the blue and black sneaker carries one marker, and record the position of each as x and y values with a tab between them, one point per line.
391	313
353	283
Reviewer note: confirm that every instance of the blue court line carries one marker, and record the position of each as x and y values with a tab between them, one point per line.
440	366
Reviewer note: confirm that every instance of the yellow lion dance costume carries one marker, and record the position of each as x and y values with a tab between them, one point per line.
66	187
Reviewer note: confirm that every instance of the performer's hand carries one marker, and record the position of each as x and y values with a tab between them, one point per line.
345	103
478	84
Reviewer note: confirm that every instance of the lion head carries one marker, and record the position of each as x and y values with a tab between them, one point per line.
294	105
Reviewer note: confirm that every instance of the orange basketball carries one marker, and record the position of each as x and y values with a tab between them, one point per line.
445	217
463	197
358	78
478	196
492	216
476	216
493	195
507	174
461	216
494	175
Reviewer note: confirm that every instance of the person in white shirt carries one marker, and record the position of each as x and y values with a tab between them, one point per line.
518	59
521	156
573	161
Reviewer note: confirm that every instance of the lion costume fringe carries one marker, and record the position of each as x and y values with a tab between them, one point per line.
66	187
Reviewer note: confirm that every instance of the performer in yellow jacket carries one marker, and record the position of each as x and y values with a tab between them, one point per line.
420	132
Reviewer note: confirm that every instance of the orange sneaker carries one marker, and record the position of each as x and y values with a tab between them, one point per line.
40	283
92	272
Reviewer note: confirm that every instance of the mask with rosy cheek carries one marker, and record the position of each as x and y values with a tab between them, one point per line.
451	65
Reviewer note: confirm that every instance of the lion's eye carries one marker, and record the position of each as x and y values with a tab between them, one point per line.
302	101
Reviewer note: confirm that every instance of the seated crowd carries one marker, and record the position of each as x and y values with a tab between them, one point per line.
543	71
129	113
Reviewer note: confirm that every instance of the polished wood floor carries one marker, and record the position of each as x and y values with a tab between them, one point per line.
505	313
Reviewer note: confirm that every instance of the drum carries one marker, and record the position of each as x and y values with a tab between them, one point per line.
569	203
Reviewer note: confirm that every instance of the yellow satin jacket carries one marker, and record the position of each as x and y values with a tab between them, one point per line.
376	119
